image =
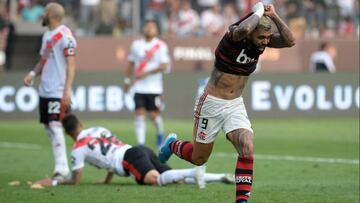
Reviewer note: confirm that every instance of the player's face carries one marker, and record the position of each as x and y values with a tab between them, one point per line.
260	38
150	29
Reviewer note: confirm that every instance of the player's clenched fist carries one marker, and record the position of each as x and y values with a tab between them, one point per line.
270	11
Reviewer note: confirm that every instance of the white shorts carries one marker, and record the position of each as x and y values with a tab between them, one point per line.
212	114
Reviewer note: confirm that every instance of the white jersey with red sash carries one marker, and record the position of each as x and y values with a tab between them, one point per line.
148	56
56	46
98	147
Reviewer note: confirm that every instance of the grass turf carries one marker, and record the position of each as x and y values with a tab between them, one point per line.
275	180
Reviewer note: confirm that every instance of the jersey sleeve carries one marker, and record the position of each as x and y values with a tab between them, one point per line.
164	57
43	46
69	46
78	159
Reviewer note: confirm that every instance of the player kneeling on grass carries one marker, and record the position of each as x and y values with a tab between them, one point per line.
100	148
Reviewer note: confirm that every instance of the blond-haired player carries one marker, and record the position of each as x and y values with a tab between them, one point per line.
56	69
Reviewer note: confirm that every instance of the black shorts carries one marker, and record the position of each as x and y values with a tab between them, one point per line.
52	109
139	160
151	102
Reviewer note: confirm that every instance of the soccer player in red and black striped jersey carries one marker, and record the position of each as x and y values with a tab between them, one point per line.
221	106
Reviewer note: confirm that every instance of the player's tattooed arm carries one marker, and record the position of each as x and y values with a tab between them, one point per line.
284	38
215	77
244	28
249	24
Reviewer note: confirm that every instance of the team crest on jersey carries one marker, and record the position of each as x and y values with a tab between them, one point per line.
202	135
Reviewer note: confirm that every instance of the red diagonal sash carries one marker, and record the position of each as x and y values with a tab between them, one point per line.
149	54
49	46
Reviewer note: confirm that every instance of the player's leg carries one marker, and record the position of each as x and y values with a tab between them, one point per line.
207	123
213	177
237	128
51	112
242	139
140	120
160	167
154	108
195	153
137	161
168	175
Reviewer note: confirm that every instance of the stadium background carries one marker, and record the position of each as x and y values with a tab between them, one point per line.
307	139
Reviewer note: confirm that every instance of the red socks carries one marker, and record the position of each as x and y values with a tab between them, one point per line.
182	149
243	178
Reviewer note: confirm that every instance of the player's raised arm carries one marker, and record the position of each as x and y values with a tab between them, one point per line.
284	38
249	24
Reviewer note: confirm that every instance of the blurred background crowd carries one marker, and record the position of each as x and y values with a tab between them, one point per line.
184	18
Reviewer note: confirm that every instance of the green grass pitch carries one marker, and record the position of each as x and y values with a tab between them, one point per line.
276	180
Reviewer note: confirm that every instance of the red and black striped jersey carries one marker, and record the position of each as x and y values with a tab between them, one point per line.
236	57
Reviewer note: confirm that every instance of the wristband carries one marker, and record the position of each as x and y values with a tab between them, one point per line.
258	9
32	73
54	182
127	81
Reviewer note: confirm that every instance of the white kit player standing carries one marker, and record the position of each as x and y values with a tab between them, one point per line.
148	60
57	70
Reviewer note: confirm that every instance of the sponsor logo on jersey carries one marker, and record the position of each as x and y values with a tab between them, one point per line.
243	58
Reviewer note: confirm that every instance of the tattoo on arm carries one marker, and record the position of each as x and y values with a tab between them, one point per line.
284	38
215	77
245	27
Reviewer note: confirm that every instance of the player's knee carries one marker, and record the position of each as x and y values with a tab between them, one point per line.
151	177
200	160
243	142
246	146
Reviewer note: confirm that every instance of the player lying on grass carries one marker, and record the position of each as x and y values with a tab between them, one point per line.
98	147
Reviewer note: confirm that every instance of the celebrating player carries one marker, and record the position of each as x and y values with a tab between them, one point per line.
148	58
100	148
221	106
57	69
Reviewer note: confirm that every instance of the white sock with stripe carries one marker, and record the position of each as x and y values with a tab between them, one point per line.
159	125
140	129
209	177
57	139
173	176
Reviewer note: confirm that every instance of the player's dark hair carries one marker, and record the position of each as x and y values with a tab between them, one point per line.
150	20
323	46
70	122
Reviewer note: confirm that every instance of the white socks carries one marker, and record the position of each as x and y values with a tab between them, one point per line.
172	176
140	129
209	177
159	125
57	139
